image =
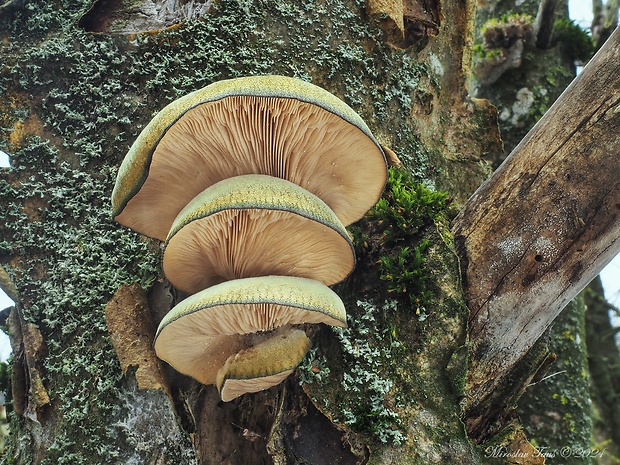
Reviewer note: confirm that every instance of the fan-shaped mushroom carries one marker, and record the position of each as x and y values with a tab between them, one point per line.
198	335
272	125
256	225
245	179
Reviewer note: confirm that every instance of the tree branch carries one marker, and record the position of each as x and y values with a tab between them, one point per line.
542	227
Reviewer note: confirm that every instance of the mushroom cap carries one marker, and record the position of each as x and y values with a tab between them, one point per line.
256	225
263	365
272	125
199	334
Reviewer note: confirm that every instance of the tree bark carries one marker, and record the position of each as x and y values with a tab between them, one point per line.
540	229
386	390
604	362
87	388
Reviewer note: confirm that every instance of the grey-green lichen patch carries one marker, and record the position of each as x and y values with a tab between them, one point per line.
69	259
84	98
402	360
373	413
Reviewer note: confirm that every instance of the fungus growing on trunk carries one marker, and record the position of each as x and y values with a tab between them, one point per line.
251	183
273	125
263	365
198	335
256	225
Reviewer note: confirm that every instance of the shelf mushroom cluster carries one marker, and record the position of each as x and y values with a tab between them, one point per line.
250	183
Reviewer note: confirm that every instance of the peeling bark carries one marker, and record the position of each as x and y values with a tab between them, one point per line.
129	323
29	394
30	397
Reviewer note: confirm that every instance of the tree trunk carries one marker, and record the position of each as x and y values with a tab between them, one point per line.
86	387
540	229
604	362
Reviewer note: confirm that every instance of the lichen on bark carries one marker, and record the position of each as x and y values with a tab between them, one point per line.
556	409
78	100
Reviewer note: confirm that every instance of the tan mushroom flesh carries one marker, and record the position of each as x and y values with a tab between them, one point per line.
273	125
256	225
263	365
198	335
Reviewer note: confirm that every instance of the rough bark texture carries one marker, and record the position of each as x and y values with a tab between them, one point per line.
555	408
604	364
540	229
387	390
87	389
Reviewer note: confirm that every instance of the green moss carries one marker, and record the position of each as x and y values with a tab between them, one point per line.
505	20
400	217
480	52
574	39
381	375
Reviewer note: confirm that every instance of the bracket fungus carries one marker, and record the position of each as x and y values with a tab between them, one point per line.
199	334
273	125
250	182
256	225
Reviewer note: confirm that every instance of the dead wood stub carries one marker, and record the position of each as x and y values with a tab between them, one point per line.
543	225
407	22
29	394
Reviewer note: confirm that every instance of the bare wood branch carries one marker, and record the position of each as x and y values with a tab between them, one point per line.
605	20
542	227
545	20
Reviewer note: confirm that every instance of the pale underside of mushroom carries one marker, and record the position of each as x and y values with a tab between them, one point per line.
256	225
202	357
198	335
205	137
263	365
253	304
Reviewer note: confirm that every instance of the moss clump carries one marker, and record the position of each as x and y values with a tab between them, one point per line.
575	40
376	372
506	30
398	221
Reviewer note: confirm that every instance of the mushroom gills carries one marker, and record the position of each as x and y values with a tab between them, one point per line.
263	365
200	333
273	125
256	225
250	182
